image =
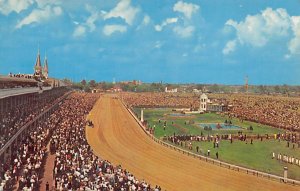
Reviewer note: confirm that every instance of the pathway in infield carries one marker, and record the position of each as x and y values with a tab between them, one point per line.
118	138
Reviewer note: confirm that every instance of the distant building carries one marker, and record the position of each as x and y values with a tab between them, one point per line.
171	90
196	91
40	72
45	69
203	102
133	82
216	107
207	104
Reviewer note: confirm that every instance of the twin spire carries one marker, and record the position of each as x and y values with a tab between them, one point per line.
39	71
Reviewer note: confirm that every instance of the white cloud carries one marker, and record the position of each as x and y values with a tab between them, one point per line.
165	22
158	44
40	15
184	32
81	28
90	22
146	20
123	10
8	6
188	9
294	44
277	22
79	31
230	47
110	29
186	29
44	3
257	30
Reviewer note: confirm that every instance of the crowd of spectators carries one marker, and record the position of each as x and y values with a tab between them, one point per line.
17	81
27	76
290	138
276	111
76	167
9	85
12	120
159	100
28	158
281	112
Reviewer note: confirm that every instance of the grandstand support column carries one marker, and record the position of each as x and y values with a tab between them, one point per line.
15	101
6	104
142	115
285	174
1	107
12	102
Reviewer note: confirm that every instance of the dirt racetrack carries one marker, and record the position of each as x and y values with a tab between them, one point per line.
118	138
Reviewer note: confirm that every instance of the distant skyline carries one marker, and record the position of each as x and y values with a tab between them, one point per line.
189	41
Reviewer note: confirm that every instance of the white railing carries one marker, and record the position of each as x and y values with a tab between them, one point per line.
216	162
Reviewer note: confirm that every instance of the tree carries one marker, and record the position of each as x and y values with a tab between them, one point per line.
285	89
199	87
106	86
262	89
215	88
277	89
83	82
92	84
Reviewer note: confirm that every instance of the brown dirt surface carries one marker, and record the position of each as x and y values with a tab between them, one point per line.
117	137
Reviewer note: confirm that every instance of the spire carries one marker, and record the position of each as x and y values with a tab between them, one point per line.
38	67
45	68
246	84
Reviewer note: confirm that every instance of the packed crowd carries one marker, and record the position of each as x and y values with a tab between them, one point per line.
76	167
27	76
14	119
17	81
281	112
28	158
158	100
9	85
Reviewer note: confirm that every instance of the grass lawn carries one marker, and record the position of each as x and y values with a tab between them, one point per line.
177	124
257	156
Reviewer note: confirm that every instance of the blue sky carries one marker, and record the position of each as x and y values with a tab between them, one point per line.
189	41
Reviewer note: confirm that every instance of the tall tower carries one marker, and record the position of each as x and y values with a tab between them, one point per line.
45	68
38	67
246	84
